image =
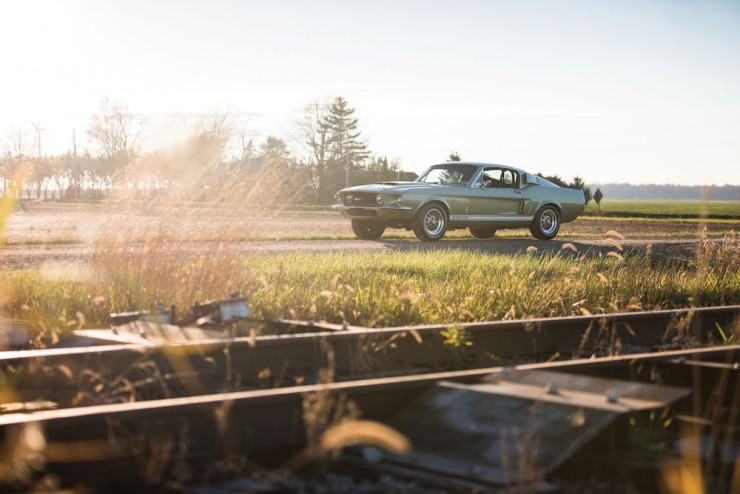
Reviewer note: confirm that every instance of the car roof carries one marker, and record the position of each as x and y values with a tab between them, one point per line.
478	163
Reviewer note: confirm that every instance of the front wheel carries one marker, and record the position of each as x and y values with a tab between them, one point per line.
367	230
546	223
430	223
482	232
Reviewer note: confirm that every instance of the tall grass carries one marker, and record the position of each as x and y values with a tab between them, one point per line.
453	286
376	289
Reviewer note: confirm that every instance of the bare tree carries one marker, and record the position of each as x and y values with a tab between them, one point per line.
39	175
16	149
59	174
314	135
18	143
218	128
114	130
7	165
246	142
77	169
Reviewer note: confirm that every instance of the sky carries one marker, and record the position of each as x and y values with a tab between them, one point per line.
638	91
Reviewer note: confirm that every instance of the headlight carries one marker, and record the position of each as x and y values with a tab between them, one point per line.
399	200
379	200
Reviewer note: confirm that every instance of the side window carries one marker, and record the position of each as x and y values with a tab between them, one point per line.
498	178
509	178
491	178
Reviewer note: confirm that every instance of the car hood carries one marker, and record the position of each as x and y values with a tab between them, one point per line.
393	187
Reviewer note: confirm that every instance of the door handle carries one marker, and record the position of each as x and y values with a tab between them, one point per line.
518	192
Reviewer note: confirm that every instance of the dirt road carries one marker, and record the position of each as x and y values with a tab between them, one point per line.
39	233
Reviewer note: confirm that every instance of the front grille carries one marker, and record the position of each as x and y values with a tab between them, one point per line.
363	199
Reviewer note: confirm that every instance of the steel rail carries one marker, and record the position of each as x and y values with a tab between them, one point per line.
191	368
125	440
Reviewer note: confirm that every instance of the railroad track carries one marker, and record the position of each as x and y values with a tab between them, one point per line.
143	413
147	443
104	374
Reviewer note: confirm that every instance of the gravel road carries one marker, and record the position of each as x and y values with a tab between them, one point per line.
40	233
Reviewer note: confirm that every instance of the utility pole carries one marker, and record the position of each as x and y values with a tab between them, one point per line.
74	153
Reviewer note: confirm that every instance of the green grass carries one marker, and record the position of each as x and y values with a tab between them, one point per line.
374	289
661	220
668	209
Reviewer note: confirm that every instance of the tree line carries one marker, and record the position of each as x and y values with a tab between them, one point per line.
327	153
576	183
219	158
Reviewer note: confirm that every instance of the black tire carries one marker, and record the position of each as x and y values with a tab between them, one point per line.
482	232
368	230
546	223
430	223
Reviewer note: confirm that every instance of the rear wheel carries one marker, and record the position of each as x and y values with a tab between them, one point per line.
482	232
430	223
546	223
368	230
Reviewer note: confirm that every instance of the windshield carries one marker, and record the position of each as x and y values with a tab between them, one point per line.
448	174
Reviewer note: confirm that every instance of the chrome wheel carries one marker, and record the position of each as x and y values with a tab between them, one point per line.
434	222
549	222
430	223
546	223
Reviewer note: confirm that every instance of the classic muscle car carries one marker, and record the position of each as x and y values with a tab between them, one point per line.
480	196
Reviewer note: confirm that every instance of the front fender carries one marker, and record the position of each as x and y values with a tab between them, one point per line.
455	205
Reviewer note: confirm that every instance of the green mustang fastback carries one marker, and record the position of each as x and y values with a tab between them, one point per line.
480	196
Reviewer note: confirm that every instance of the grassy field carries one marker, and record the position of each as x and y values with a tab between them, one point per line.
63	223
371	289
374	289
668	209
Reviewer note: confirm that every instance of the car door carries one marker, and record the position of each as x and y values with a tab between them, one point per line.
496	196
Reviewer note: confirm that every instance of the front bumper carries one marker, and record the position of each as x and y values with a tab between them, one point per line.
375	212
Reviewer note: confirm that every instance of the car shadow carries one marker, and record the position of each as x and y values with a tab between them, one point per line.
504	246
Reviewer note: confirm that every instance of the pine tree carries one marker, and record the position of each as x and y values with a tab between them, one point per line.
344	134
330	133
345	147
